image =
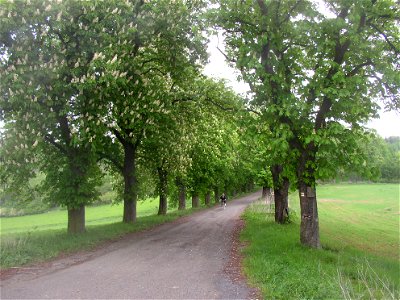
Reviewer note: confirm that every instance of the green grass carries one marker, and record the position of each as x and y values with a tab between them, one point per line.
30	247
36	238
363	217
57	219
359	228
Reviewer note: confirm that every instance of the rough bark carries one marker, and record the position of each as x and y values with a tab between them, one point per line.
195	200
130	190
162	191
281	191
76	220
76	214
281	202
309	227
265	191
78	164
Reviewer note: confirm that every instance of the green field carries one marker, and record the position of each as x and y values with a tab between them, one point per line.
364	217
36	238
95	215
359	229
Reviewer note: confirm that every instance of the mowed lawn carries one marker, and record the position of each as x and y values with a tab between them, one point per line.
361	216
57	219
359	259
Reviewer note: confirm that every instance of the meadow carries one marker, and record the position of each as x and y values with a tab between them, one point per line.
35	238
57	219
359	259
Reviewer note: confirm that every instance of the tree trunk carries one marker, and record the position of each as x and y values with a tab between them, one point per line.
162	190
281	202
195	200
309	227
208	198
266	195
79	164
182	194
130	190
265	191
76	220
281	191
216	194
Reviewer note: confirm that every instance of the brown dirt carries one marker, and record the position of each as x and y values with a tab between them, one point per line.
234	267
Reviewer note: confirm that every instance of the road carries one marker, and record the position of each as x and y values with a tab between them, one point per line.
180	260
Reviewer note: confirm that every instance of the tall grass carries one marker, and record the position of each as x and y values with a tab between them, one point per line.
367	285
347	266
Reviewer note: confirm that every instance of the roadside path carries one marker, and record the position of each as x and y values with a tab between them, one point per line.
184	259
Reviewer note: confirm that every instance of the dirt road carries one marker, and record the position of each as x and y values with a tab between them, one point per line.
180	260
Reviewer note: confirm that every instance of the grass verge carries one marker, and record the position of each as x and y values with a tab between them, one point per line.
283	269
36	238
36	246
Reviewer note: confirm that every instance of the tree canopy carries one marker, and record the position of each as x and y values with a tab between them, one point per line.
89	88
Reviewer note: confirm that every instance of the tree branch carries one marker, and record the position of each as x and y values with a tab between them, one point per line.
119	136
263	7
226	56
358	67
113	160
182	100
391	45
290	12
51	140
220	106
253	111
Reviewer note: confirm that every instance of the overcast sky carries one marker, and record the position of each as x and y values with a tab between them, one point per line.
387	125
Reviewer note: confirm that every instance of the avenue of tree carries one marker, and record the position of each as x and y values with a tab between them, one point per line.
115	88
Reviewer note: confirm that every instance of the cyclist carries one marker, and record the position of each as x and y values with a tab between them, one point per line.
223	200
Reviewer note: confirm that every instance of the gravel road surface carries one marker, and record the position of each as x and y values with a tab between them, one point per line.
180	260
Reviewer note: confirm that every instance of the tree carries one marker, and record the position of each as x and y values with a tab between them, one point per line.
390	168
351	60
146	49
314	79
260	40
165	149
215	138
43	48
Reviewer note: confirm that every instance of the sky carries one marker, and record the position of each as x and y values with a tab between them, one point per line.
387	125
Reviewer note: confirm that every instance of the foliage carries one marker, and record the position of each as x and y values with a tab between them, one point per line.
390	167
376	159
290	87
40	103
315	79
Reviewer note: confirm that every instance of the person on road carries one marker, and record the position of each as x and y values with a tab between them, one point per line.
223	200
